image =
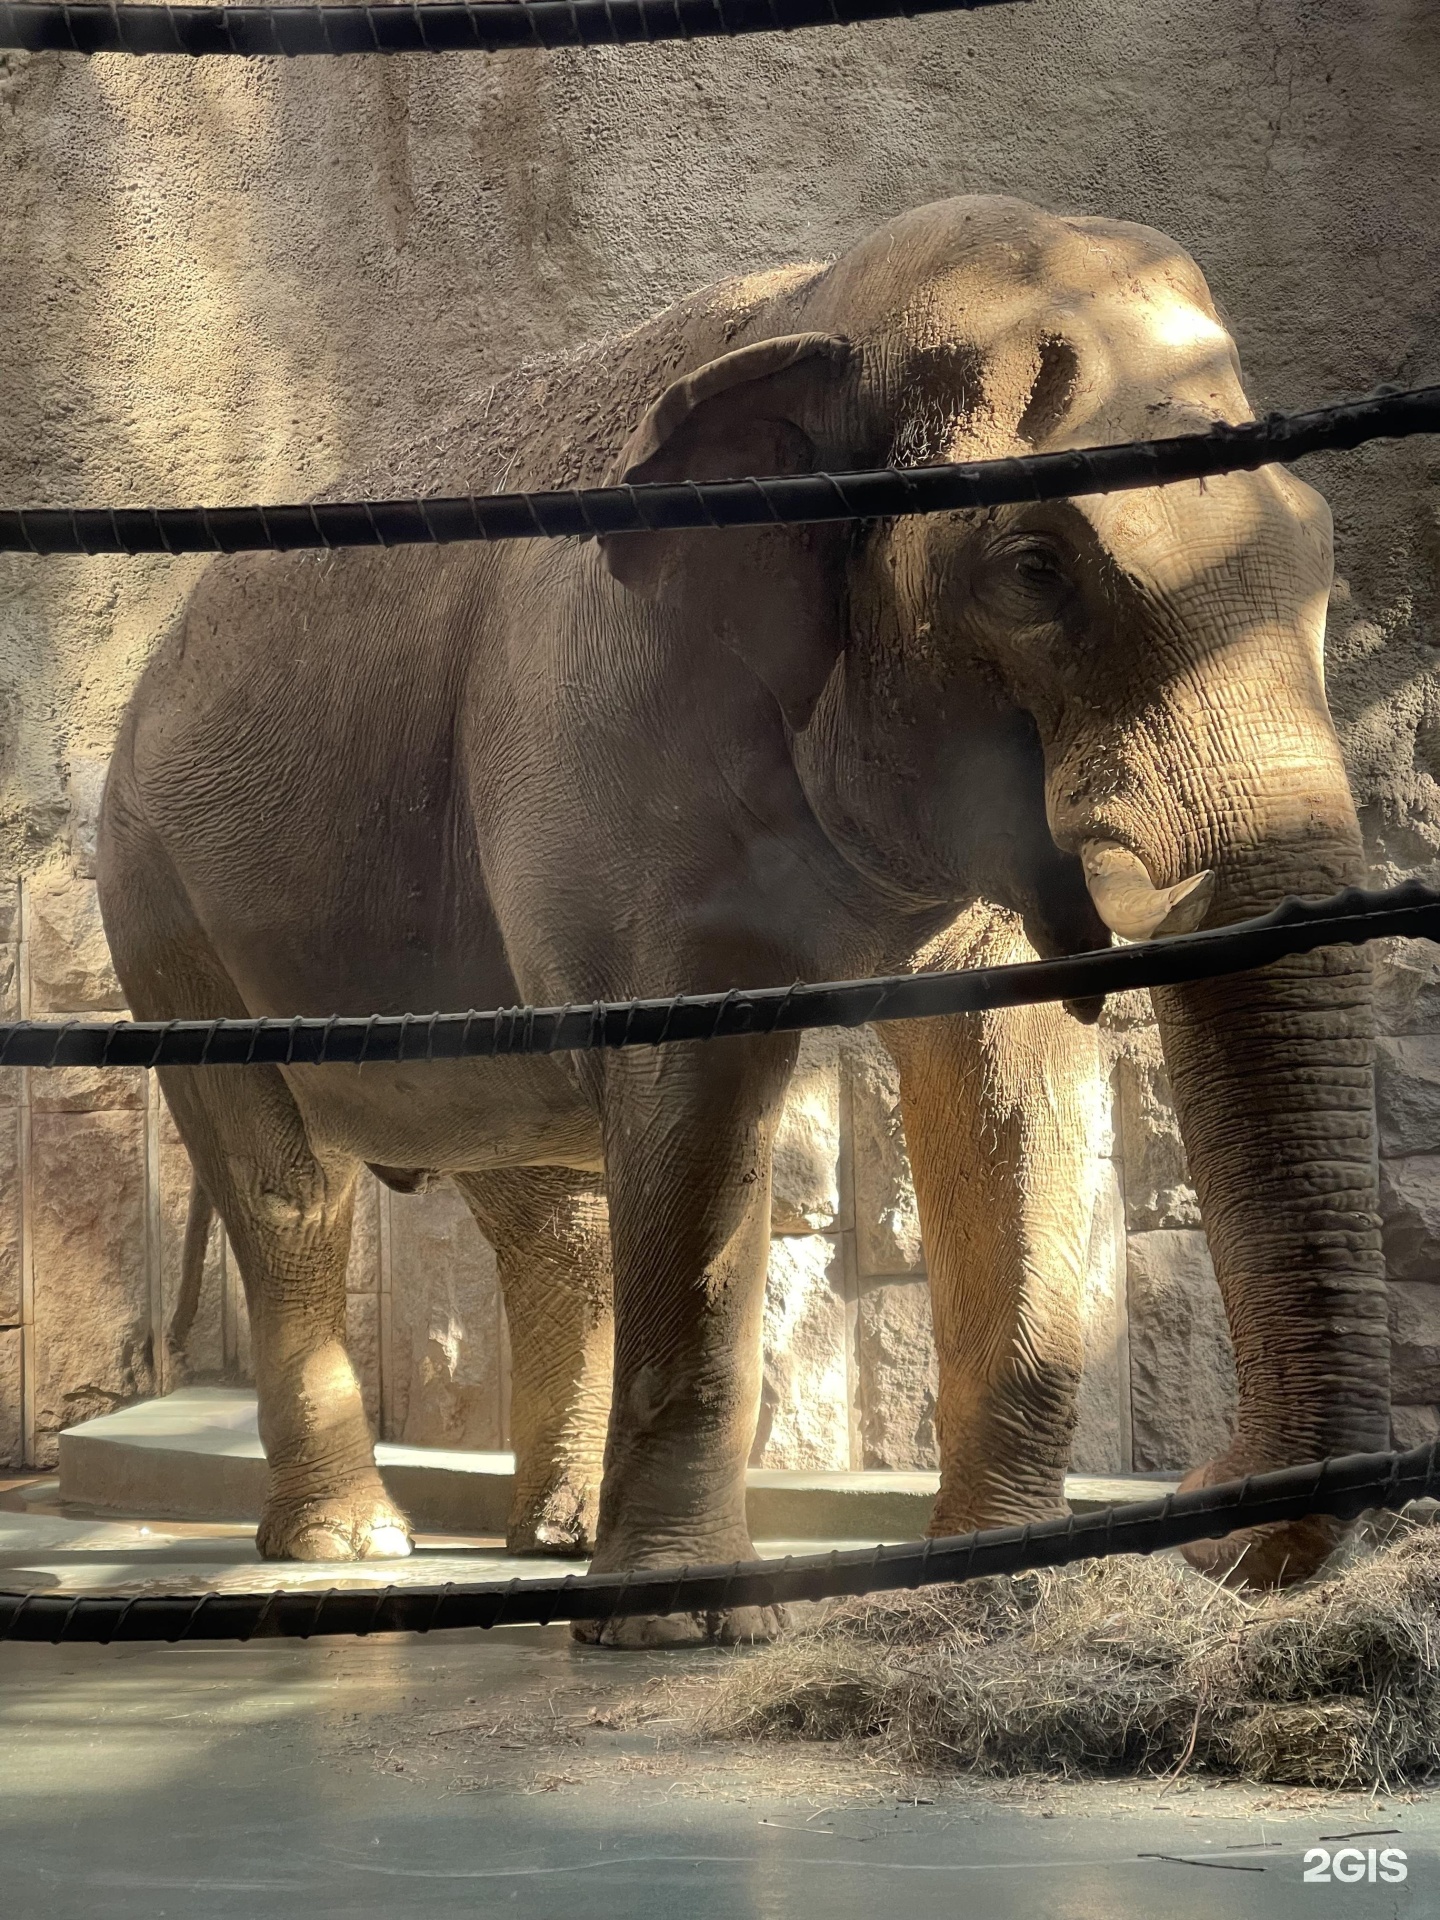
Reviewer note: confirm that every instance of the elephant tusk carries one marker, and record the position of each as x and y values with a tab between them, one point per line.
1130	903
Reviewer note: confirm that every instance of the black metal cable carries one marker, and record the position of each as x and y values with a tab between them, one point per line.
427	26
787	499
1341	1487
1349	918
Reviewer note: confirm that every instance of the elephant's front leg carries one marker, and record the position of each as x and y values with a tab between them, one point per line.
688	1131
1001	1118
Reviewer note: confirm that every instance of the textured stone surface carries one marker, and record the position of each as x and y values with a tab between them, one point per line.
1182	1372
1415	1426
887	1220
88	1089
1414	1315
898	1378
70	970
84	788
12	1442
805	1190
10	1280
805	1409
1407	1093
1407	987
1101	1442
1124	1012
1410	1211
92	1294
1414	1342
11	1078
1158	1193
443	1384
1415	1374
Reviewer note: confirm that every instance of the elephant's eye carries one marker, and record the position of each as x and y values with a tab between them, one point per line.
1036	563
1027	583
1039	572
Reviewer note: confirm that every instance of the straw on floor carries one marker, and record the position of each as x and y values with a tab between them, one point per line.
1122	1665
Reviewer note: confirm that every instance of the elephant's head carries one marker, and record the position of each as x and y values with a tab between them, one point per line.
1108	712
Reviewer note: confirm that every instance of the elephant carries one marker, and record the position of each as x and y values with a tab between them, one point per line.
565	771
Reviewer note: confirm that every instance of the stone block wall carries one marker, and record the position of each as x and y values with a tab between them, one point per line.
1180	1375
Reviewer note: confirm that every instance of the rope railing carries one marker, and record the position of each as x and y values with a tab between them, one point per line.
427	26
794	499
1342	1488
1349	918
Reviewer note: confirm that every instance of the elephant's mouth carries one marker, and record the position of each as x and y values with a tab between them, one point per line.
1129	902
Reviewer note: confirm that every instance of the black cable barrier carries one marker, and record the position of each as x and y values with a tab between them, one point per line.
1296	926
428	26
673	506
1343	1488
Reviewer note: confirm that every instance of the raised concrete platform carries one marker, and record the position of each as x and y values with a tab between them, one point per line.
196	1455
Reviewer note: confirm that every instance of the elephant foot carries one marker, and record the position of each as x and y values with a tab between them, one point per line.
561	1520
723	1627
1260	1557
360	1525
951	1517
637	1632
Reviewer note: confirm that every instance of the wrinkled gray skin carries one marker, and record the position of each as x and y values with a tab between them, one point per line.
543	772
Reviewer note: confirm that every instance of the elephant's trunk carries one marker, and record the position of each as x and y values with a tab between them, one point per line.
1273	1088
1273	1080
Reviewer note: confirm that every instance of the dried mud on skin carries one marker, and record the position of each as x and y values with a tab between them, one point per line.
1117	1666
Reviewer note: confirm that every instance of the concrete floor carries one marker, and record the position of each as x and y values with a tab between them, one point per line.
515	1773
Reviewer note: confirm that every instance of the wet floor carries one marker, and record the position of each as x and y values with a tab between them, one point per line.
384	1779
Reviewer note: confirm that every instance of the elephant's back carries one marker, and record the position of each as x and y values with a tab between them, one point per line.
296	739
559	419
329	637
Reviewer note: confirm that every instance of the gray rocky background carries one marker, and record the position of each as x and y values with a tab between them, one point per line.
230	280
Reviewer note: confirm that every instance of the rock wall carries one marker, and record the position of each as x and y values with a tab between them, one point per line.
240	280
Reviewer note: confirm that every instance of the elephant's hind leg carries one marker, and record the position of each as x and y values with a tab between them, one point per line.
287	1210
288	1216
551	1237
1000	1121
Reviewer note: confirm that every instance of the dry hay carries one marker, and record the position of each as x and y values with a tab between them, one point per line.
1120	1665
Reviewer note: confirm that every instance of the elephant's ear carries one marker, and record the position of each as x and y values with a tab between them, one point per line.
773	594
